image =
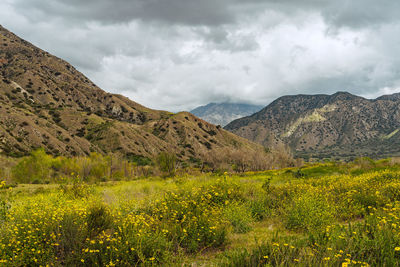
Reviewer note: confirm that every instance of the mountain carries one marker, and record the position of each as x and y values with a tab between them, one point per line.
341	125
224	113
46	102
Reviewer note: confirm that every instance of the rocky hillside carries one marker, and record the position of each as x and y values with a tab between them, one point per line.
341	125
46	102
224	113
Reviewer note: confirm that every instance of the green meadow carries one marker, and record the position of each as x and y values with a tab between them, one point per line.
323	214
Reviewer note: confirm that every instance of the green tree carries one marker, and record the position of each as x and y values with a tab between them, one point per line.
166	163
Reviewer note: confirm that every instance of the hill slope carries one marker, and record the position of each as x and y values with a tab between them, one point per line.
341	125
224	113
46	102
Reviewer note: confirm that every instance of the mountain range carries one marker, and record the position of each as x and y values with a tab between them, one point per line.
224	113
46	102
335	126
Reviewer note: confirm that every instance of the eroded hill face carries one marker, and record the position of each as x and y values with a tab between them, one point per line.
46	102
339	125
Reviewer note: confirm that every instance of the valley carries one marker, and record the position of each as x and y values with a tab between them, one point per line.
93	178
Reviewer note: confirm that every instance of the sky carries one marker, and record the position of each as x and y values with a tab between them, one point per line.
178	54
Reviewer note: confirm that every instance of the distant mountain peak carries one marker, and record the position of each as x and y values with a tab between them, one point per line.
342	95
345	93
223	113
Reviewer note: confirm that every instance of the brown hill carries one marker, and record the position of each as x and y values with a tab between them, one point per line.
341	125
46	102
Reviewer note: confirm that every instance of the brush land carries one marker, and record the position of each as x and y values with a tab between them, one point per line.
323	214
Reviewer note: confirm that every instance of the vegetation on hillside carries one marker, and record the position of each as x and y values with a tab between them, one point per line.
334	214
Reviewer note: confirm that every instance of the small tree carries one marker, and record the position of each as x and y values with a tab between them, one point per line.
241	161
166	163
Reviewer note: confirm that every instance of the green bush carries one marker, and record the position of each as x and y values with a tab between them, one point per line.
40	168
265	254
239	216
309	212
190	223
166	163
392	191
36	167
98	219
78	189
4	207
193	218
259	208
4	201
71	236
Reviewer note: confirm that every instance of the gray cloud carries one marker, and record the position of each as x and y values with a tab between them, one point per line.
362	13
178	54
354	13
190	12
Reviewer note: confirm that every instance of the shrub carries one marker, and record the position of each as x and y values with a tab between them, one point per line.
98	219
36	167
259	208
191	224
4	201
239	216
78	189
70	236
392	191
193	217
309	212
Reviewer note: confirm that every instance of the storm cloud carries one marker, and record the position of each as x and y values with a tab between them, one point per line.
178	54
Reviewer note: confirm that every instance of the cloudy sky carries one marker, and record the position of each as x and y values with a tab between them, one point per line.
178	54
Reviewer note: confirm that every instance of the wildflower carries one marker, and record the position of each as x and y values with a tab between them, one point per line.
397	248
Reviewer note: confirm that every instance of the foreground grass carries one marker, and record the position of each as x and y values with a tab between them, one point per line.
320	215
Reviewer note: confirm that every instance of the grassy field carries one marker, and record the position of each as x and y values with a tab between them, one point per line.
327	214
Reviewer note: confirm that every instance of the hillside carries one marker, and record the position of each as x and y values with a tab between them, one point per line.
341	125
224	113
46	102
